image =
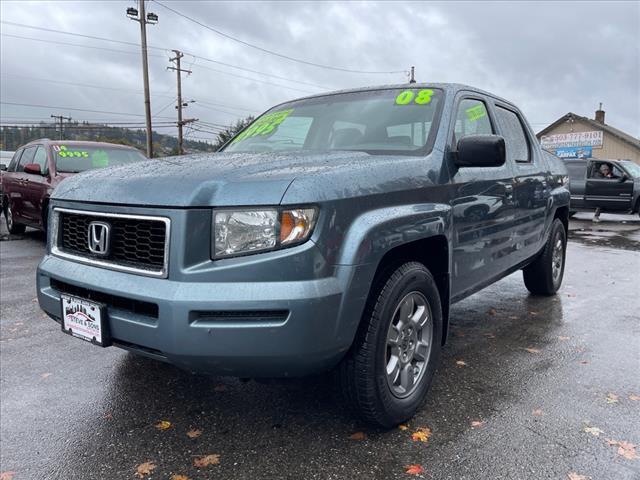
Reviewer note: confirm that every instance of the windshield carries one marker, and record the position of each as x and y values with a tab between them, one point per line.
632	168
78	158
398	121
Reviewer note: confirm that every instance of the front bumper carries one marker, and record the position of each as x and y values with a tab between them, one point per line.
245	329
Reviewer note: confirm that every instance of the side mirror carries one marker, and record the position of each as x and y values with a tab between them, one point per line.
3	167
33	168
623	178
480	151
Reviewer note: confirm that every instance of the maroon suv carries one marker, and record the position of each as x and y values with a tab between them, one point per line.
37	167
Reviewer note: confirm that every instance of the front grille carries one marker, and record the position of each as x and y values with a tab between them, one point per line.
138	307
137	243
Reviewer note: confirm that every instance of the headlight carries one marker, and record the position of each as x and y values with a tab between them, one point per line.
238	232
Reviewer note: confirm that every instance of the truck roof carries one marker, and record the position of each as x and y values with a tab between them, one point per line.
447	87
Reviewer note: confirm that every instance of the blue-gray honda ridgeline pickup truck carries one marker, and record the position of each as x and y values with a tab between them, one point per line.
333	233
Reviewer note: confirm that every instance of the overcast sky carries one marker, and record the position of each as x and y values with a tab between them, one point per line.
548	58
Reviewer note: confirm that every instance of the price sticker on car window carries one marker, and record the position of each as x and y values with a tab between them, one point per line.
419	97
264	125
63	151
476	112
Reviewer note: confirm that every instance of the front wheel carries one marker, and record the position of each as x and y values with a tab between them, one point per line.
544	275
388	371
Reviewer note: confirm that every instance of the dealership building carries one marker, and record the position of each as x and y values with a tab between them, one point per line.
573	136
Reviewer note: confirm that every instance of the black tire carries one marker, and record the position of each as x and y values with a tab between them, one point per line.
540	277
363	372
13	227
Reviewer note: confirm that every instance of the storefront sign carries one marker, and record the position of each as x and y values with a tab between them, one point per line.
573	139
574	152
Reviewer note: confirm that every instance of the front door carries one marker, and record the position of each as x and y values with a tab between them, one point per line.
482	208
35	187
607	187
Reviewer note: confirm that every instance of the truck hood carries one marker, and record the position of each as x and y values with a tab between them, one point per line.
204	180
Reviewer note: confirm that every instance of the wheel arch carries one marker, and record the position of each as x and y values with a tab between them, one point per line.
433	252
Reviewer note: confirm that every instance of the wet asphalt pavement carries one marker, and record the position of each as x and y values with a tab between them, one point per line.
531	372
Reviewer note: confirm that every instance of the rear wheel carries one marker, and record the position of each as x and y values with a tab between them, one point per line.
13	227
388	371
544	275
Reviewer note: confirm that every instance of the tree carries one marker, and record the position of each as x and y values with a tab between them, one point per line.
229	132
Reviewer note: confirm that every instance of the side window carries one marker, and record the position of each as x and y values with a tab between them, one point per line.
605	171
27	157
576	170
515	137
14	161
41	159
471	119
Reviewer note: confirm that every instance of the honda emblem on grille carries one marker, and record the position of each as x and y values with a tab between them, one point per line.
99	238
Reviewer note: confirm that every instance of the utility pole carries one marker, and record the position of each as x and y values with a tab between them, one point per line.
61	118
143	18
180	104
412	79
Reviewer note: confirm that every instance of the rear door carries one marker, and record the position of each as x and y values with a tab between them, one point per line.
613	194
18	184
482	206
577	170
531	192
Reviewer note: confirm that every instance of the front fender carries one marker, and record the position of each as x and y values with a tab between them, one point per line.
375	232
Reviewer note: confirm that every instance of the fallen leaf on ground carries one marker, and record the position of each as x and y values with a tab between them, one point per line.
625	449
206	460
492	311
489	335
221	387
422	434
537	412
179	477
585	362
145	469
357	436
7	475
163	425
633	397
194	433
461	363
571	294
575	476
513	317
563	339
533	313
459	334
45	375
413	469
403	427
477	424
107	416
595	431
612	398
532	350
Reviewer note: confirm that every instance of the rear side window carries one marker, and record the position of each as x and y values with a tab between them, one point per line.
471	119
514	135
577	171
27	157
14	161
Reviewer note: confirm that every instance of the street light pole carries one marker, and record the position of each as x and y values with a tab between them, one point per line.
143	18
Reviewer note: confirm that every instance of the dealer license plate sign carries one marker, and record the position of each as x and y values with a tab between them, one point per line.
84	319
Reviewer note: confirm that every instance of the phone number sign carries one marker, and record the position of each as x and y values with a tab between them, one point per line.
573	139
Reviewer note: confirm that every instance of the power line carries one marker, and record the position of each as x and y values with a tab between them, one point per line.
271	52
255	79
74	109
122	42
